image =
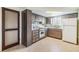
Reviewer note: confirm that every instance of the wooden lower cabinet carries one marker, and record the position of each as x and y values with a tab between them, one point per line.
35	35
55	33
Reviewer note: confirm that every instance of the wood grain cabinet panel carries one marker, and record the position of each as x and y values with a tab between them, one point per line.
55	33
26	27
48	20
35	35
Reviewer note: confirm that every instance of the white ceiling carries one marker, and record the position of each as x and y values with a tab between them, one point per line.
49	11
54	11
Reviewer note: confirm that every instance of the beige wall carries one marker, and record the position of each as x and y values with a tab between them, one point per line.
0	29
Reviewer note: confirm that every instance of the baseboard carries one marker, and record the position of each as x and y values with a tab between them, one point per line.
70	42
55	37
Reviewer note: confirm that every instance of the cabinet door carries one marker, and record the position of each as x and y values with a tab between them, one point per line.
48	20
55	33
43	20
27	27
33	17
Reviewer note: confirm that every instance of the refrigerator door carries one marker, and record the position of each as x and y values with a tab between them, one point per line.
70	34
70	21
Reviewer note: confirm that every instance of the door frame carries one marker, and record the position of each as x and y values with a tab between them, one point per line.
3	28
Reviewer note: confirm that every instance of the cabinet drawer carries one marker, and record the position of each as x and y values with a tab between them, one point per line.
35	35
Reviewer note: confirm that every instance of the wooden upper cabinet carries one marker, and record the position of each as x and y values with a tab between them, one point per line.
33	17
48	20
38	18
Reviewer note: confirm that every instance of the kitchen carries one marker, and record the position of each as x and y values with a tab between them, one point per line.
58	27
40	23
44	29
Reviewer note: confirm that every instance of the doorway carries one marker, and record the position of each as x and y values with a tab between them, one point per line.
10	28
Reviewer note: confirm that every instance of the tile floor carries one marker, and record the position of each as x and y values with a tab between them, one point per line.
46	45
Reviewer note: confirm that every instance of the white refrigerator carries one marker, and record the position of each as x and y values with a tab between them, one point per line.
69	33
